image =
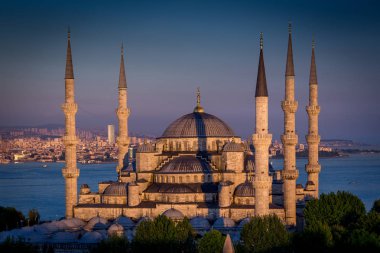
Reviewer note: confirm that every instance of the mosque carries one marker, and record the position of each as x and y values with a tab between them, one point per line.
199	168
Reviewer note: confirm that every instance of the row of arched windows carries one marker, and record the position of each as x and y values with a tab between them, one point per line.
185	178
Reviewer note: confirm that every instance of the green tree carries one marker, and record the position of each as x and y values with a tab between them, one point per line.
34	217
163	235
316	239
342	208
10	218
376	206
211	242
265	234
114	244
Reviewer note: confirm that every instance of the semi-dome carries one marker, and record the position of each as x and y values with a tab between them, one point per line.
91	237
243	222
116	189
146	148
233	147
245	190
174	214
186	164
198	124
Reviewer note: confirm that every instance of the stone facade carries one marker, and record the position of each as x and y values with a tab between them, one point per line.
198	167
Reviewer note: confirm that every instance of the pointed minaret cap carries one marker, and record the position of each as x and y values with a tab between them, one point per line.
228	245
261	83
289	60
69	73
313	66
199	108
122	79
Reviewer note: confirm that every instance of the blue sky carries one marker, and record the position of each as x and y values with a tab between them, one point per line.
172	47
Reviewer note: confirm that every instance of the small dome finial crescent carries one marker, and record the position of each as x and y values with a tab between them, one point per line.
198	108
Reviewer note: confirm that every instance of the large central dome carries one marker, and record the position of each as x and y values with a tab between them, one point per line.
198	124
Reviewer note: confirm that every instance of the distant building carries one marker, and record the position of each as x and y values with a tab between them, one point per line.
111	134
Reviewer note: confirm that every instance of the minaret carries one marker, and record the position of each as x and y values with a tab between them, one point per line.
261	141
70	108
289	139
313	167
122	113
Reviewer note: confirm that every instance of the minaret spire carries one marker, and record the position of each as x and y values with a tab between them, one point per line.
70	108
122	78
122	113
261	140
289	138
69	73
261	83
313	167
289	59
313	67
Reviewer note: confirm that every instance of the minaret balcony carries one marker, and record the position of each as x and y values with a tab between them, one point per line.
123	112
122	140
289	174
70	172
69	140
290	139
313	168
289	106
261	139
69	108
313	110
313	139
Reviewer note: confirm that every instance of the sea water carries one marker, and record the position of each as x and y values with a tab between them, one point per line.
30	185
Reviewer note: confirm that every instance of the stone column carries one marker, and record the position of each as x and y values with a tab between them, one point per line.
261	141
313	167
122	113
70	108
289	139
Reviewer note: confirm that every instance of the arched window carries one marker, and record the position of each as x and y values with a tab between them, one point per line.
173	179
195	179
180	179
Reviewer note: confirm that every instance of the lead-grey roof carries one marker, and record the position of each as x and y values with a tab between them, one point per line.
198	125
116	189
185	164
245	190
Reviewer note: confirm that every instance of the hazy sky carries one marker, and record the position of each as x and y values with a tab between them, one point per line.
172	47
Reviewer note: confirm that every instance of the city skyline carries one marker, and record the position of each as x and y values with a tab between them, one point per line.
212	46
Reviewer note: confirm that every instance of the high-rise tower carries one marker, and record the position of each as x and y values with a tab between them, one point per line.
122	113
70	108
261	141
289	138
313	167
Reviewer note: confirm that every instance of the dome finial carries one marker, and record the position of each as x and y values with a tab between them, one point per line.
198	108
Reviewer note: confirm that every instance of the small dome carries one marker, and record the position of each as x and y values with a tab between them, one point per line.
186	164
91	237
142	219
243	222
299	186
85	189
116	189
174	214
196	125
146	148
233	147
126	222
200	223
223	223
309	183
94	224
245	190
115	229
